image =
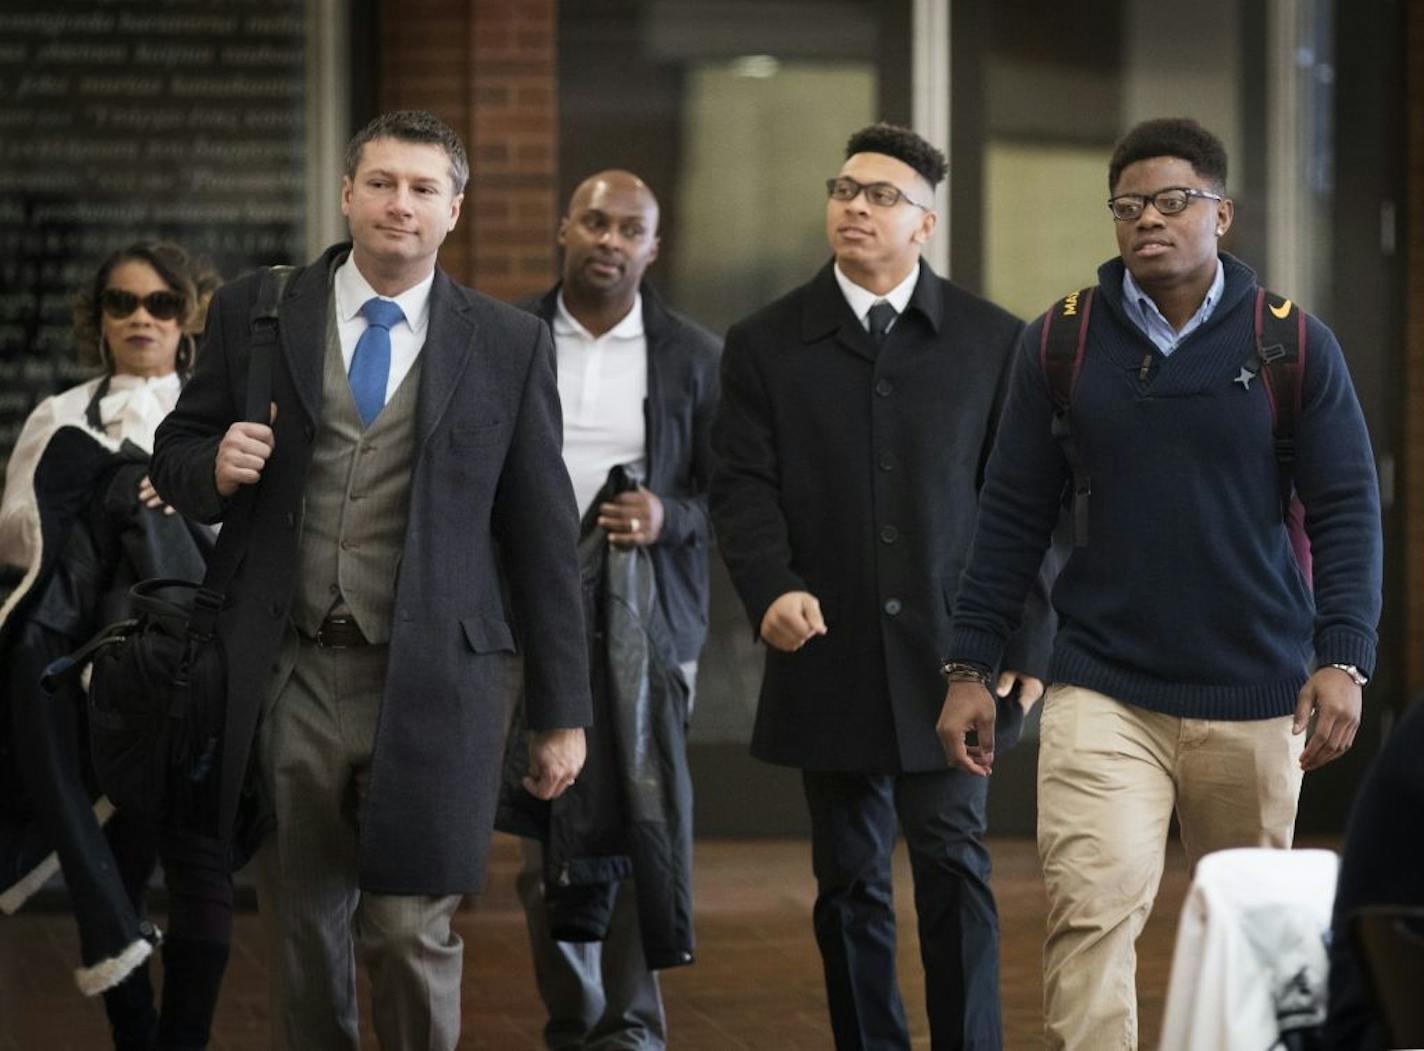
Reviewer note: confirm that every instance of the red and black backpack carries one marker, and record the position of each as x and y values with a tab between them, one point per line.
1278	358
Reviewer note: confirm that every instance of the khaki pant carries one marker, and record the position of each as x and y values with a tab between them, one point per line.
1109	776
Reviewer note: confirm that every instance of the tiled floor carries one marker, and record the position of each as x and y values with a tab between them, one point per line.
756	984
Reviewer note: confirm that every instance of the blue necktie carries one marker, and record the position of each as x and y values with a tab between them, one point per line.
371	364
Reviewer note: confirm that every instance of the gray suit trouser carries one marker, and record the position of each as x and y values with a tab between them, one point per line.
599	995
314	752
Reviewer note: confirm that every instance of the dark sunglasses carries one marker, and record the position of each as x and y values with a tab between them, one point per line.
162	306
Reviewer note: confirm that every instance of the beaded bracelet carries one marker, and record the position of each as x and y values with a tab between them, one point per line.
963	671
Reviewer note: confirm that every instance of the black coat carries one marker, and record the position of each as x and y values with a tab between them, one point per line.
491	514
682	399
96	540
854	476
631	811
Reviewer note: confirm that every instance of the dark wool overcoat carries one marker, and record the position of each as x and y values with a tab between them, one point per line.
489	568
854	475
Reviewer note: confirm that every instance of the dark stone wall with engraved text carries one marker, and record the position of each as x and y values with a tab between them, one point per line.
120	120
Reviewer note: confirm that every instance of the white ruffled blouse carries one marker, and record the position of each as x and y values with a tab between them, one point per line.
130	411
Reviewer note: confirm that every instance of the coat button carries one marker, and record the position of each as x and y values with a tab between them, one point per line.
347	545
885	463
884	388
291	520
889	534
893	607
308	430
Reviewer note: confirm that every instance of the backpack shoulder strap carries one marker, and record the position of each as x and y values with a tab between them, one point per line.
1060	346
1280	361
263	346
222	564
1060	354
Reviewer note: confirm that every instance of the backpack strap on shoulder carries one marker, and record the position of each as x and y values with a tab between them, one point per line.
1279	359
264	342
222	564
1060	354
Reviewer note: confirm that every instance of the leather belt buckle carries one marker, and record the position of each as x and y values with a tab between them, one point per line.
339	633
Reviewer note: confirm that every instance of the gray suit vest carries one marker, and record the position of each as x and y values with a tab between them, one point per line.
356	504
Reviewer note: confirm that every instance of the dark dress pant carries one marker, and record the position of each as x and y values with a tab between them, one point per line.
853	828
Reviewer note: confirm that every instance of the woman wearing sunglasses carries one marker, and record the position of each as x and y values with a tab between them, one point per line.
81	520
138	321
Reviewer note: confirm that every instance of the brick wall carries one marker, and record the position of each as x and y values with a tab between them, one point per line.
1413	473
486	67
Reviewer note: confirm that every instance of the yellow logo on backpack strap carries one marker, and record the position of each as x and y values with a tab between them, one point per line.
1282	310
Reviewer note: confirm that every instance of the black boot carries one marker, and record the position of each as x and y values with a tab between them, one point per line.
192	976
129	1005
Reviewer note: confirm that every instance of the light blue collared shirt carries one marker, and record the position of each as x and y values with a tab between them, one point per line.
1144	313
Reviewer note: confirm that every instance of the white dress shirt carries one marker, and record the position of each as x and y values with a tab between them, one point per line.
407	337
603	383
862	299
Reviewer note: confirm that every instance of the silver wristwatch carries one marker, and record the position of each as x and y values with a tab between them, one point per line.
1356	676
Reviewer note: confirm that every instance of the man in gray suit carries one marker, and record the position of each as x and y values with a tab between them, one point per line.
408	528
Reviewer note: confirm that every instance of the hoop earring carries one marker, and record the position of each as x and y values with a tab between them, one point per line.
187	354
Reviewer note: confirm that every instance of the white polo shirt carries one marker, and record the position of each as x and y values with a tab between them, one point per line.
603	383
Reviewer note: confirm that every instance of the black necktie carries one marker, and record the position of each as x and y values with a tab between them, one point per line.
880	316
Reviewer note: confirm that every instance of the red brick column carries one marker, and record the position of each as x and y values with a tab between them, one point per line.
487	67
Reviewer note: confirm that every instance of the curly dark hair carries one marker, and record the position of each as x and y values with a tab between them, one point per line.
1171	137
413	125
902	144
193	277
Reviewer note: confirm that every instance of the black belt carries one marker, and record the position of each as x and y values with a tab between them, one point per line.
339	632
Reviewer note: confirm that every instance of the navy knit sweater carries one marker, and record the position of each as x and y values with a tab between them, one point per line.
1187	598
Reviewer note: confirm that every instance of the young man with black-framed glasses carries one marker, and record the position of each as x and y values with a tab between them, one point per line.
1191	655
857	412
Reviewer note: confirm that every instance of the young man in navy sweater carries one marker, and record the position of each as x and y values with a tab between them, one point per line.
1190	658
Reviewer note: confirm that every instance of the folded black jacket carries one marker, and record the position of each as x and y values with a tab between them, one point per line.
630	811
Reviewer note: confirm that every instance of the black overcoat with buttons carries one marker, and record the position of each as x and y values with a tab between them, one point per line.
853	474
489	567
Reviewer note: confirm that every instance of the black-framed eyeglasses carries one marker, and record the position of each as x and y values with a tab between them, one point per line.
880	194
162	305
1128	206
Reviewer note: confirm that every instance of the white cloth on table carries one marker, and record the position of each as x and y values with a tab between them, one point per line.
1250	960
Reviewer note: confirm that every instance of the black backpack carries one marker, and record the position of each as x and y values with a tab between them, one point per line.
1278	358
